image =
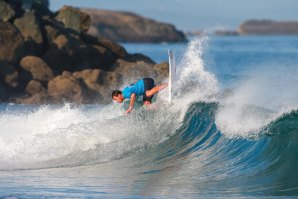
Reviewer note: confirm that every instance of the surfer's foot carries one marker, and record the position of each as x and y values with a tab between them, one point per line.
154	90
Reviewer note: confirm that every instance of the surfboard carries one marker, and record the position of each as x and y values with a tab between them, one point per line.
172	73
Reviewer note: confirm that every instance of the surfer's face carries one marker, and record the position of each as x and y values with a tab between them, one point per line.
118	98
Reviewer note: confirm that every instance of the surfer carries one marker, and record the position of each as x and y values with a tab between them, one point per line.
145	87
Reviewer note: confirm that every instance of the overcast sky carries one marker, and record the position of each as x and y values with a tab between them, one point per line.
196	14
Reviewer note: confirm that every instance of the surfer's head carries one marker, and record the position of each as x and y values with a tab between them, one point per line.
117	96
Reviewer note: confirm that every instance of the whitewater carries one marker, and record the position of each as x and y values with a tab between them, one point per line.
231	130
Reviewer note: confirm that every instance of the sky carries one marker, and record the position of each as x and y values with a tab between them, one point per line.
196	15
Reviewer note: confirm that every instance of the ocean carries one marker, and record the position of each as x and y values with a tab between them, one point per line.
230	131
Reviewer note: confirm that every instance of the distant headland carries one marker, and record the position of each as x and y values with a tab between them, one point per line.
129	27
259	27
268	27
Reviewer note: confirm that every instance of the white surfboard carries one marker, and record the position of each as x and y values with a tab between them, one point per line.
172	72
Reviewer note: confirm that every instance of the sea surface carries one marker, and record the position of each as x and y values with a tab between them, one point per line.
231	131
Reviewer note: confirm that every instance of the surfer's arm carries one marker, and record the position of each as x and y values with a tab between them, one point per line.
132	102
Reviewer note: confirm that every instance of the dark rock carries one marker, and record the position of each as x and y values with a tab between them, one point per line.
3	93
6	11
162	71
11	43
9	74
71	53
51	33
74	19
39	98
139	57
66	88
61	52
30	28
41	8
117	49
129	27
101	82
27	4
35	87
268	27
37	68
132	71
100	57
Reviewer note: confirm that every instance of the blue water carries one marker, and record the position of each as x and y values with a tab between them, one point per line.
231	131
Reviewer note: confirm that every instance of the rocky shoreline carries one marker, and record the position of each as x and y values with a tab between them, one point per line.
49	57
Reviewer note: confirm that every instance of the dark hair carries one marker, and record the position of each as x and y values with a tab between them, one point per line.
116	93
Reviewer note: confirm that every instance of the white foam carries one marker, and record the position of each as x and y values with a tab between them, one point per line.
267	94
194	82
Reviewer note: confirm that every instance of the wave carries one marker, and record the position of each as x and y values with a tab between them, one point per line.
217	138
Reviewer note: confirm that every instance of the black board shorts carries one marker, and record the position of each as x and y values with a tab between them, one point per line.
148	85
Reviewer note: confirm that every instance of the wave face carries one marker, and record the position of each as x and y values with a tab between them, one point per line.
208	142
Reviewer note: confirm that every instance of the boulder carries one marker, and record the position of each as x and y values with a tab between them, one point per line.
35	87
98	57
70	53
139	57
101	82
51	33
37	68
16	5
162	71
11	42
6	11
133	71
9	74
30	27
117	49
41	8
3	93
39	98
66	87
61	52
74	19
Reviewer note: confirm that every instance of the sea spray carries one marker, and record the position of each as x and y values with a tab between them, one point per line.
267	94
194	82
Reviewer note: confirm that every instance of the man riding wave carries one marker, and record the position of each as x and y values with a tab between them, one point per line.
145	87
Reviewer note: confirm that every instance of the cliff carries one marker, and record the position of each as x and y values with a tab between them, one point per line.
49	57
129	27
268	27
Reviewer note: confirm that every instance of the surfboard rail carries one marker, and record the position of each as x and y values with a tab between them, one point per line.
172	73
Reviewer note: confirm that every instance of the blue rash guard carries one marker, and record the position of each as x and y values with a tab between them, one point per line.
137	88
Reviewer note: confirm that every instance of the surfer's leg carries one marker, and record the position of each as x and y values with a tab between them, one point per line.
155	89
148	85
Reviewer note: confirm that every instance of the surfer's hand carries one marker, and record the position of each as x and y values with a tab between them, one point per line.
128	111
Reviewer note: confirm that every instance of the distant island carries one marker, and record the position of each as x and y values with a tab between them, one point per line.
129	27
268	27
260	27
